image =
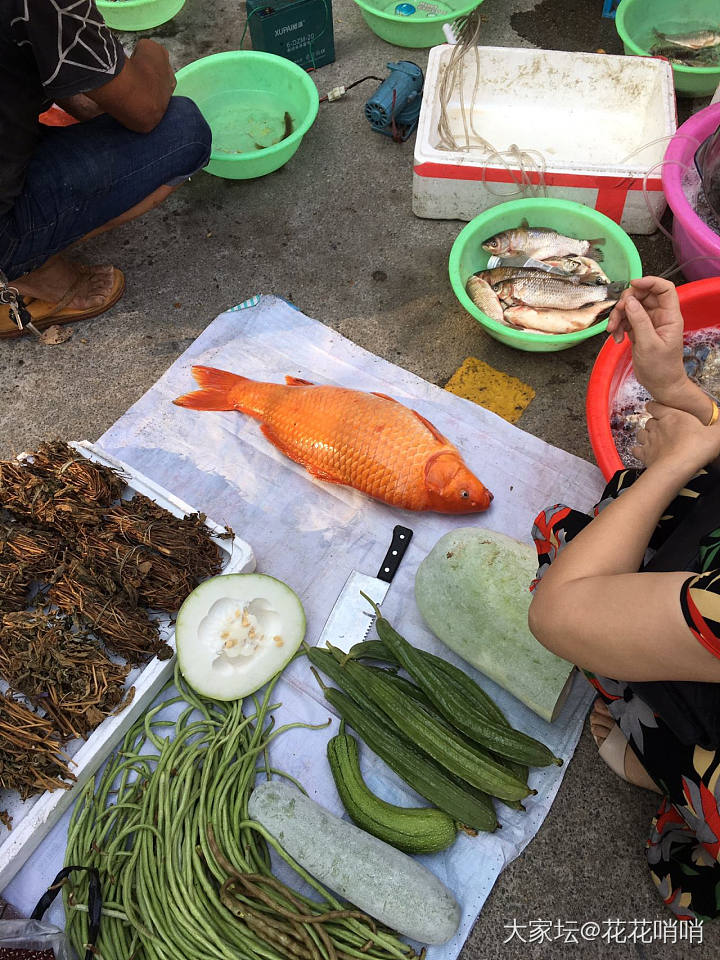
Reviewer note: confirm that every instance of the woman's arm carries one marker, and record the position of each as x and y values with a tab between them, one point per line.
591	605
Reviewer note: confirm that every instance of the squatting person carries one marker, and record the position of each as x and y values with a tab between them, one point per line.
133	146
649	641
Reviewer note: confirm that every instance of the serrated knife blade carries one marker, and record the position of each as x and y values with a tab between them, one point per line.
352	616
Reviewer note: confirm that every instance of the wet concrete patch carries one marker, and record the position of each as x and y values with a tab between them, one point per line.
549	21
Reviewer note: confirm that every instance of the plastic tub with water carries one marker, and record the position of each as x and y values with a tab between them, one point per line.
259	107
417	23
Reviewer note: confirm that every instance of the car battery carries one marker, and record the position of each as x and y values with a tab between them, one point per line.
301	30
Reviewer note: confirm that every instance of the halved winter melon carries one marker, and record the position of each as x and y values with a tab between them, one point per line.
235	632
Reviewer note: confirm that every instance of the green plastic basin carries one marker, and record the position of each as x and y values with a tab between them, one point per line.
422	29
621	260
245	96
636	20
138	14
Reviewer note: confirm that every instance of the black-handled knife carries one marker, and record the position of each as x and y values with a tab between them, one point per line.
352	616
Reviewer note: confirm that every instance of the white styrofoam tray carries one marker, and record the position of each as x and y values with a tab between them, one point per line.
33	819
601	122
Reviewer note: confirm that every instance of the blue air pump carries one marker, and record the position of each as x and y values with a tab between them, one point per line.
394	108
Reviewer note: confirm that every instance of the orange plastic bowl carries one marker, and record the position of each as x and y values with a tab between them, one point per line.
700	305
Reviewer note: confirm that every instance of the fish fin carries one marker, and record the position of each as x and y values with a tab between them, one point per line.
524	224
298	382
323	475
433	430
383	396
217	386
275	440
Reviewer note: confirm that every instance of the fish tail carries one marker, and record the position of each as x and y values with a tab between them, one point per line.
216	393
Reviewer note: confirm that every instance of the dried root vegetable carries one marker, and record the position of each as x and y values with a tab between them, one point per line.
186	540
90	481
125	629
148	578
30	758
61	669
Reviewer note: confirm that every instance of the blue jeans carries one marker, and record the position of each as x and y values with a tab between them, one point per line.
86	174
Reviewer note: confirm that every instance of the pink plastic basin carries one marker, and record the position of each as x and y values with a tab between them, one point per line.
691	237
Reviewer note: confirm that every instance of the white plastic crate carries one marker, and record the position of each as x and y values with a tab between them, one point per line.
34	818
588	114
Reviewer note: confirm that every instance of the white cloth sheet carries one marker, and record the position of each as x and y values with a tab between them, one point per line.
313	534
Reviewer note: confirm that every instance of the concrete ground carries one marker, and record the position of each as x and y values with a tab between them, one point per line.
333	231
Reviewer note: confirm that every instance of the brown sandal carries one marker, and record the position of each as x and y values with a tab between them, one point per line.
46	314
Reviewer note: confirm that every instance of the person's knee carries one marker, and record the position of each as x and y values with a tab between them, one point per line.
190	128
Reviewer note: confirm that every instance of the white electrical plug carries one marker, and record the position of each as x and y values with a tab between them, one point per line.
336	93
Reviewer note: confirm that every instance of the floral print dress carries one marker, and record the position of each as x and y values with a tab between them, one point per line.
683	846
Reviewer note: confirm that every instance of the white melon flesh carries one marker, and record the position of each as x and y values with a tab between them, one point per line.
235	632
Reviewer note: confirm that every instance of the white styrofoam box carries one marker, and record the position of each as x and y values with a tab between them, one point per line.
33	819
588	114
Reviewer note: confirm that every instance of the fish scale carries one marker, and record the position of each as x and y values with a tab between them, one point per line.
350	437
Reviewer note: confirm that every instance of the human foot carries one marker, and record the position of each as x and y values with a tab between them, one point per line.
73	285
626	763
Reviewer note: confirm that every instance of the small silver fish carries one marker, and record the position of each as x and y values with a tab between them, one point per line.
484	297
547	291
557	321
498	274
540	243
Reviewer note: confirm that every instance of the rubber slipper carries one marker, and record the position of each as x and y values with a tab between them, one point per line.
613	750
46	314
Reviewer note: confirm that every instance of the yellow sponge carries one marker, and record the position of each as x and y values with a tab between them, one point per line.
478	381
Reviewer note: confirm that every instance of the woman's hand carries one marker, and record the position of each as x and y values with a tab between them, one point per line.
649	311
676	440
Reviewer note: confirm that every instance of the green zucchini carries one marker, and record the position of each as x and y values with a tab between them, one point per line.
495	737
389	885
468	808
436	738
413	830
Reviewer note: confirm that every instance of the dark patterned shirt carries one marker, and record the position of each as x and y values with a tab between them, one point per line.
49	50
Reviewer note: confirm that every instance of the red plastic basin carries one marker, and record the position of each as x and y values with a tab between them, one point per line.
700	305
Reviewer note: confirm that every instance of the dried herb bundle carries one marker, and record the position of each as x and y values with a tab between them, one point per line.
43	500
62	669
89	480
35	551
125	629
149	578
186	540
30	761
14	586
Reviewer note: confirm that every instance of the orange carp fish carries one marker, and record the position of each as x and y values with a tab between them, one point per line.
363	440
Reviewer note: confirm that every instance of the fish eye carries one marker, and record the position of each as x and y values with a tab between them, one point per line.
464	494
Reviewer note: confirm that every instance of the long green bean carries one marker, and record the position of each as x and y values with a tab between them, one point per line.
185	873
